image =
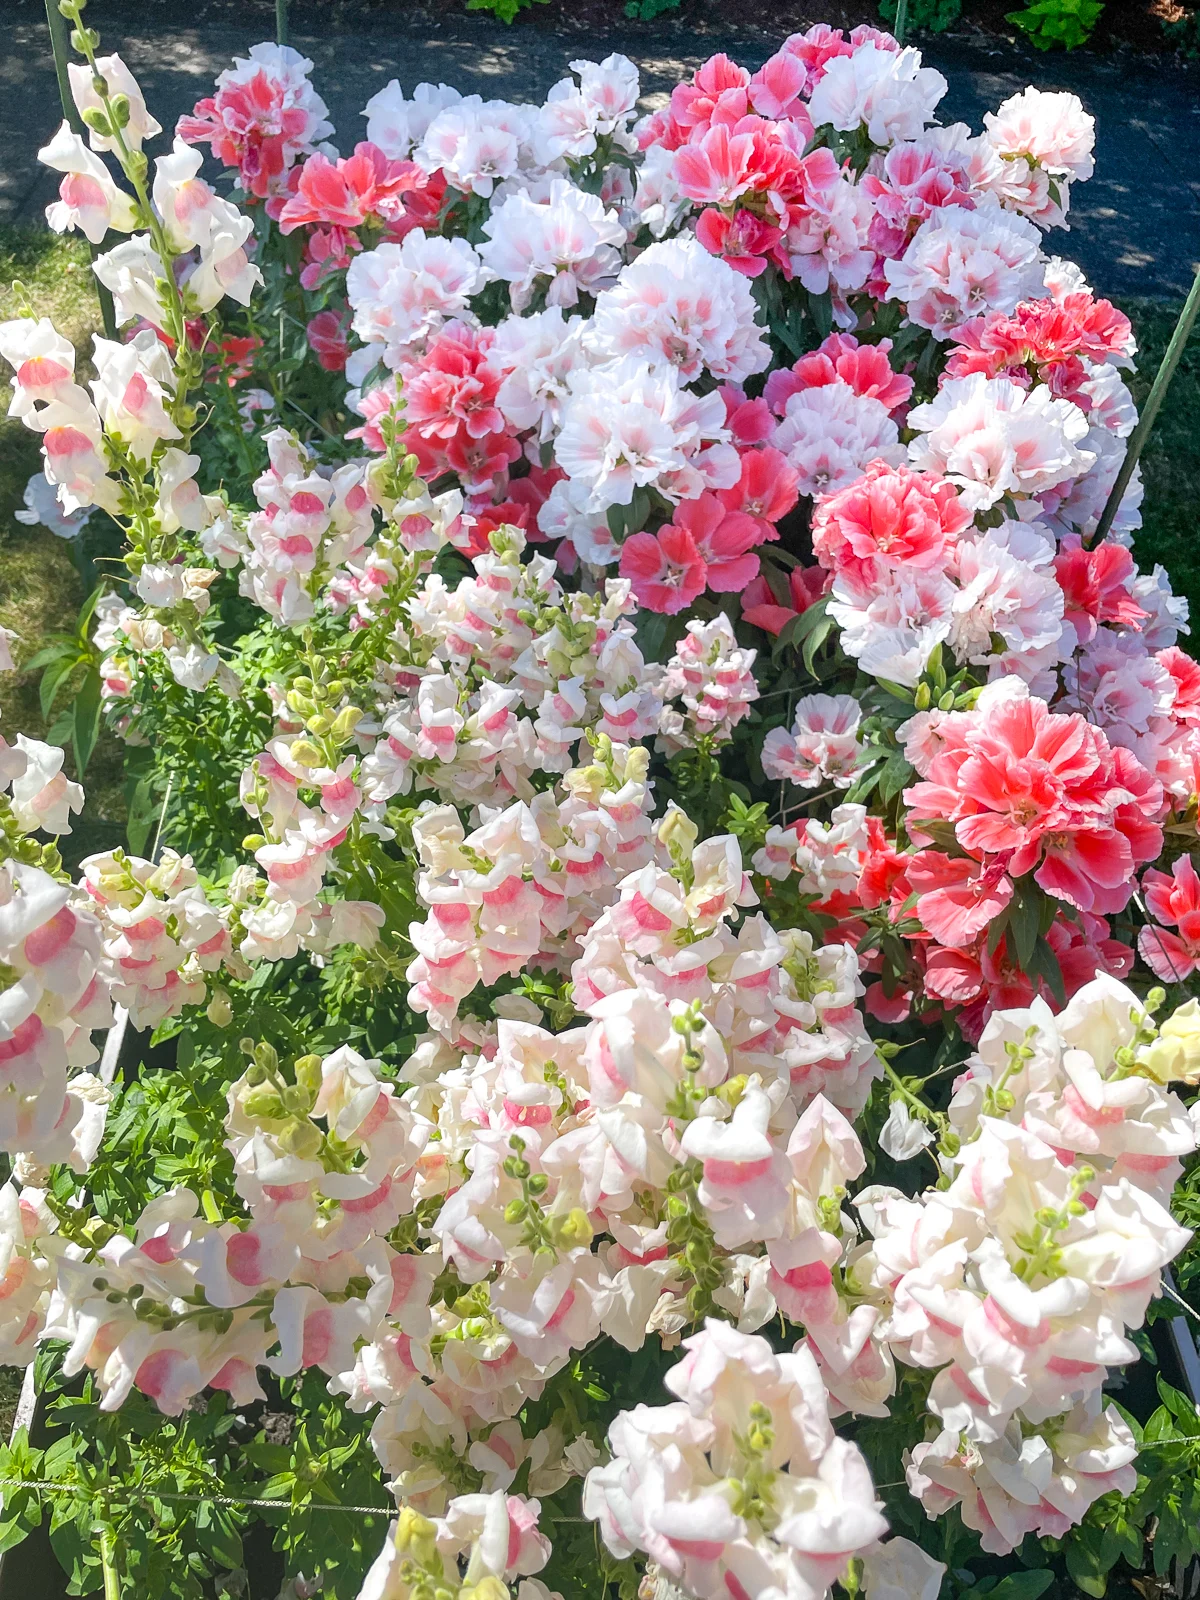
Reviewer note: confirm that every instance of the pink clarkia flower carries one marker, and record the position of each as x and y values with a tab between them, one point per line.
1174	901
345	192
665	568
890	514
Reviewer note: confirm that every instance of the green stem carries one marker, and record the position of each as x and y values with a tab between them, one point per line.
924	1113
1158	393
281	21
58	45
108	1561
901	19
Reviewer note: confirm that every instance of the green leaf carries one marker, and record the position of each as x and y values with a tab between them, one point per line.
1181	1406
897	774
86	721
1023	1585
807	632
55	675
142	811
1024	925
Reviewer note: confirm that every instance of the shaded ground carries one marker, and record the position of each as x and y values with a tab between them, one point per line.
1136	225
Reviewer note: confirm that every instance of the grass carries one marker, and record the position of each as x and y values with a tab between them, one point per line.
41	589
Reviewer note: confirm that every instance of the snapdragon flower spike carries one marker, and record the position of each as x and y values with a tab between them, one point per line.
1020	1282
740	1485
52	1110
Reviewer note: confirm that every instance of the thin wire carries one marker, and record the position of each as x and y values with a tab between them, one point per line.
119	1492
1173	1294
162	817
48	1486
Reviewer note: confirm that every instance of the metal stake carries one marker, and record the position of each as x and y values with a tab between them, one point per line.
1158	393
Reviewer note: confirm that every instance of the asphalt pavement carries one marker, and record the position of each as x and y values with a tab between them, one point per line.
1135	226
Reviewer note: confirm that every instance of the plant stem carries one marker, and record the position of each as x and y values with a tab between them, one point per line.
108	1561
901	19
281	21
58	46
1158	392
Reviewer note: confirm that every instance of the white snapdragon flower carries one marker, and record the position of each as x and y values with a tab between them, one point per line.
118	79
88	197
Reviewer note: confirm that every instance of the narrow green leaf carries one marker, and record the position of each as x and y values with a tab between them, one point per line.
86	726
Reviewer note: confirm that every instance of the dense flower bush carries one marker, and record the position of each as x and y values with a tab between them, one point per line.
720	829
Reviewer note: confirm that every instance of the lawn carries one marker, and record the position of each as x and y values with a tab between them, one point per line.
41	587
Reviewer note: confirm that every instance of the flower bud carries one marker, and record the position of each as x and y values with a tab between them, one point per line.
344	724
263	1102
417	1535
305	754
219	1010
308	1075
574	1231
301	1138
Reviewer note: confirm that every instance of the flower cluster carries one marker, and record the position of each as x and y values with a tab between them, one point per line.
1018	1283
704	697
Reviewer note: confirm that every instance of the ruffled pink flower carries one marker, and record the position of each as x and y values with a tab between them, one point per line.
749	421
1186	674
763	608
1053	337
261	122
345	192
766	491
1097	586
890	514
1047	794
957	897
776	88
865	368
718	93
724	539
744	240
452	389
